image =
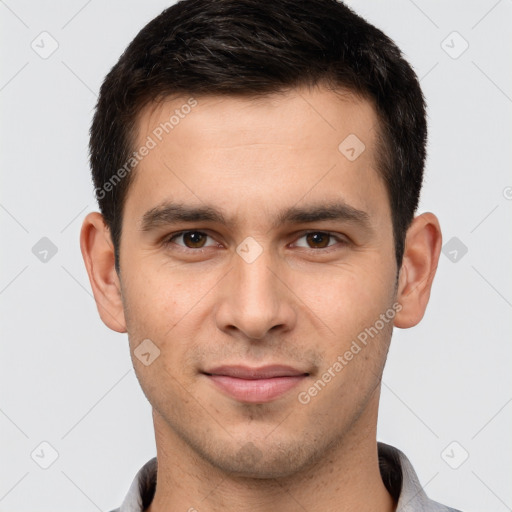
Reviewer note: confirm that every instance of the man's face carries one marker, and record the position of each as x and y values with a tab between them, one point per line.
230	302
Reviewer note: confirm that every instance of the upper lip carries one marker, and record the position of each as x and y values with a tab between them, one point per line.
263	372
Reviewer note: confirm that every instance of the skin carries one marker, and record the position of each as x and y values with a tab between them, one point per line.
300	303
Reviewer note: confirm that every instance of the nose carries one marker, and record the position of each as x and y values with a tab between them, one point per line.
254	299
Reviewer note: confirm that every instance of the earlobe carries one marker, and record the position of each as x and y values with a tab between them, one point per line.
98	253
421	256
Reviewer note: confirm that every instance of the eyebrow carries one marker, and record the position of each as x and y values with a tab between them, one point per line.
169	213
172	213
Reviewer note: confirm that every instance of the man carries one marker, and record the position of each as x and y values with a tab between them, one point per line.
258	167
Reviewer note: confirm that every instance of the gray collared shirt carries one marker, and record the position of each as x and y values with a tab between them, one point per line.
397	473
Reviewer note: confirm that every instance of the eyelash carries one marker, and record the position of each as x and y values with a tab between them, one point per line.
340	239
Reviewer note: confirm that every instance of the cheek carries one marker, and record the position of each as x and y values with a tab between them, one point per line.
156	291
161	302
160	306
347	298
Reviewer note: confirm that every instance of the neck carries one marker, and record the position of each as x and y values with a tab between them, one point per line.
346	478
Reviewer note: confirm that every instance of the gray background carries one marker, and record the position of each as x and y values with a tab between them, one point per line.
67	380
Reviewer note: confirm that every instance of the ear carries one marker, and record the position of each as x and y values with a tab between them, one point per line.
98	253
421	255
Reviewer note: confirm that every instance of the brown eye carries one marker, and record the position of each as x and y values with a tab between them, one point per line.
189	240
194	239
318	240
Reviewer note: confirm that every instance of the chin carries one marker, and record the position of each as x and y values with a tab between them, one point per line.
261	461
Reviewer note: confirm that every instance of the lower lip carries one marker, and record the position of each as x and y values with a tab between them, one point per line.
255	391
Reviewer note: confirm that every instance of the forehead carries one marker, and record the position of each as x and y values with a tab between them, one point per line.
293	116
276	148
